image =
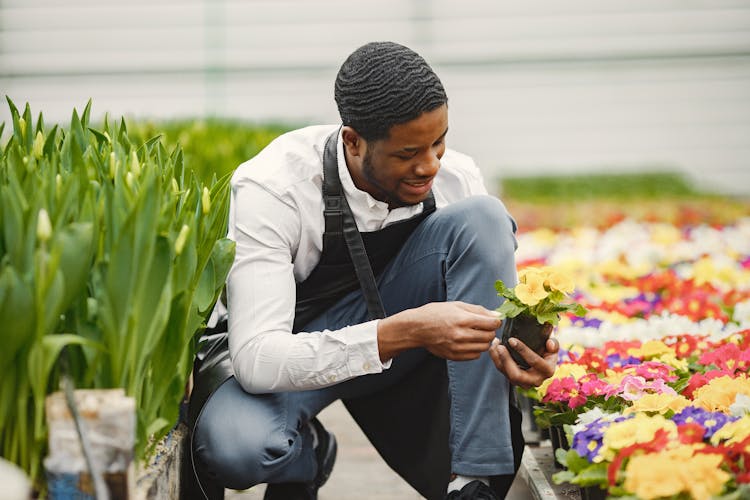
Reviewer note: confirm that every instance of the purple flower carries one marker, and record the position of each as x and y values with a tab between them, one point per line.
586	322
588	441
712	421
617	361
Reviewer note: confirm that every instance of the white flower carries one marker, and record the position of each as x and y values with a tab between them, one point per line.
741	406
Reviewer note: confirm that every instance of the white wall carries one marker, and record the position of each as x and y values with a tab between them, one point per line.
542	86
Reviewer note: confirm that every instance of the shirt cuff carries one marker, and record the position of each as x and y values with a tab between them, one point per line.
364	356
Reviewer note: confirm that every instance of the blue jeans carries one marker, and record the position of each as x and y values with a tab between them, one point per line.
456	254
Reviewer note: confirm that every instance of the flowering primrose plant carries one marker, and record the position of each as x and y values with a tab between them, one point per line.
541	292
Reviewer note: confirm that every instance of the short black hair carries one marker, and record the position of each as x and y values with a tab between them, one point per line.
383	84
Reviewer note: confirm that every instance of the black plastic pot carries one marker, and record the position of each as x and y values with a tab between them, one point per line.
529	331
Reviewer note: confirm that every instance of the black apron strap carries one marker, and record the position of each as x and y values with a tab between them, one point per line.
338	214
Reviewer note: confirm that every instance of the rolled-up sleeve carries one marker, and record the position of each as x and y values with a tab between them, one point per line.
261	291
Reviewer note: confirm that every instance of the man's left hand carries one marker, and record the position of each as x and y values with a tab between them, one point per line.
541	367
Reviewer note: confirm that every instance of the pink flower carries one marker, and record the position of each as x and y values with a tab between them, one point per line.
591	385
565	390
653	370
659	387
631	388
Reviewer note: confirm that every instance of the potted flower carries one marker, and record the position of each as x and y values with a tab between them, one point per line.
532	308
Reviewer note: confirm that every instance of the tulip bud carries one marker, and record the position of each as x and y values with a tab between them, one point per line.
135	167
58	185
107	136
179	243
206	201
129	179
92	308
38	149
22	127
43	226
112	165
175	186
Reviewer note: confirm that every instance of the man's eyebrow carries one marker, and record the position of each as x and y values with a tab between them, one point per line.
413	149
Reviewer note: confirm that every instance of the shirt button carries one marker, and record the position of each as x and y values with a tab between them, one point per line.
366	366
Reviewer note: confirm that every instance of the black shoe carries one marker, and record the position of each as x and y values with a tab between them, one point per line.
475	490
325	453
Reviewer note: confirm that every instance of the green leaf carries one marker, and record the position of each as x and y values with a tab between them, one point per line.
510	309
157	426
564	476
45	353
100	137
50	143
86	115
595	475
76	247
16	314
13	225
76	129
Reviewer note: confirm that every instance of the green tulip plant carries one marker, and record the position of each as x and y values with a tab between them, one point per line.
111	250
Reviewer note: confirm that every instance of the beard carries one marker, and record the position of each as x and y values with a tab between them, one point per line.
382	192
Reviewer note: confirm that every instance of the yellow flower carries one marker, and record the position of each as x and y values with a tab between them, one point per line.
618	269
671	360
733	432
560	281
659	403
532	291
544	236
639	429
720	393
614	317
613	377
651	349
522	273
671	472
665	234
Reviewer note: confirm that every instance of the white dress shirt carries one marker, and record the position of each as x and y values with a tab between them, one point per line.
276	219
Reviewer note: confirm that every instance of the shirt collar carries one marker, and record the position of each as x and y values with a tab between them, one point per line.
354	194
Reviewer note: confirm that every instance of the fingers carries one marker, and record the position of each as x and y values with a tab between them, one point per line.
480	318
541	368
553	345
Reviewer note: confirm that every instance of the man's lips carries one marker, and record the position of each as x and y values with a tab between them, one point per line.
417	187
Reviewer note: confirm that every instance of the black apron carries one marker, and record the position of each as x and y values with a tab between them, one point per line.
408	422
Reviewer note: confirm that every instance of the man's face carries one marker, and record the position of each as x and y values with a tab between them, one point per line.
399	170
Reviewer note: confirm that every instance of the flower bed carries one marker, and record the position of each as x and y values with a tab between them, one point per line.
652	388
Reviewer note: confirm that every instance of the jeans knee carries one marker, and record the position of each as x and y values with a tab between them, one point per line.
488	212
485	220
238	460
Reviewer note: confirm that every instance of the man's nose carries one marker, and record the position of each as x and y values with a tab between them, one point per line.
428	166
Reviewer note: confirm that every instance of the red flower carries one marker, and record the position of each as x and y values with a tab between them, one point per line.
729	358
691	432
660	441
593	360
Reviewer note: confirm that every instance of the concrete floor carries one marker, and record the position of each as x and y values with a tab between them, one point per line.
359	471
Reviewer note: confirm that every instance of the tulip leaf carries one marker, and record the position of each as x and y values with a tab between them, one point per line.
16	311
76	247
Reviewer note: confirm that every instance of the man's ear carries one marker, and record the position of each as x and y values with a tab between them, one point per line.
354	144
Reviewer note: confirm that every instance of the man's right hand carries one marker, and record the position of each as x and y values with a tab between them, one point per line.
451	330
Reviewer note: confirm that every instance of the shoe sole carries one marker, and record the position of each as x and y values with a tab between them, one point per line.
328	461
